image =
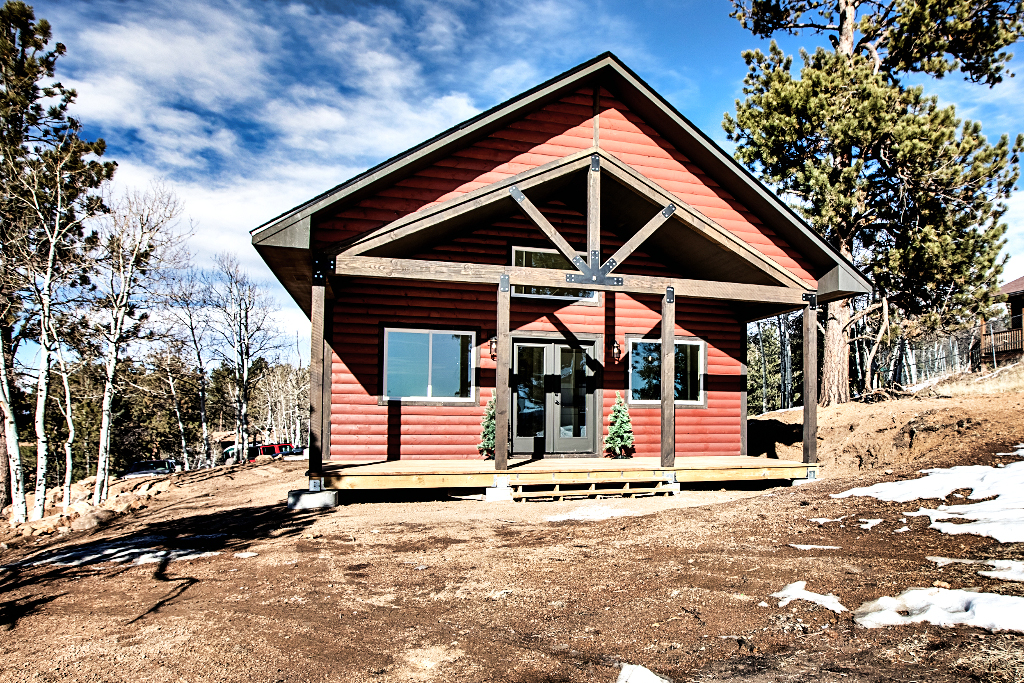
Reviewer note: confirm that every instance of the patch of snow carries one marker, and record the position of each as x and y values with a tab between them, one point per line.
762	604
795	591
902	529
944	607
1007	570
171	556
592	513
95	553
826	520
815	547
1001	518
634	673
246	555
869	523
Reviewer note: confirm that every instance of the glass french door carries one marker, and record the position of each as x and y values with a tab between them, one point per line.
553	394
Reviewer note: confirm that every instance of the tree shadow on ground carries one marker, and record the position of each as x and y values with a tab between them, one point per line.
764	436
115	549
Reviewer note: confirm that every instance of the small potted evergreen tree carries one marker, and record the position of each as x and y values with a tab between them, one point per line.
619	442
486	445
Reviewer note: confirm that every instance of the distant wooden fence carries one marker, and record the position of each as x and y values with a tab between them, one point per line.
1006	341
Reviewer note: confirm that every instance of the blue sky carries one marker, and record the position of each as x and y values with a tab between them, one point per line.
249	107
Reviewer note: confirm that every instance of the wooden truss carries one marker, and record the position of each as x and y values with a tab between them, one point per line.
350	259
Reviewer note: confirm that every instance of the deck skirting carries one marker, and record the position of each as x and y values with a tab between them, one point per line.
584	476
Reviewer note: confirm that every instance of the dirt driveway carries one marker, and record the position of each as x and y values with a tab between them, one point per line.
216	581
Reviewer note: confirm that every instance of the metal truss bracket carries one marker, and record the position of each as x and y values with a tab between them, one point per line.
591	278
503	282
670	294
517	194
812	300
595	163
323	266
668	210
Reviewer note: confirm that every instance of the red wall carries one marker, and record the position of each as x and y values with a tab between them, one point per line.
360	428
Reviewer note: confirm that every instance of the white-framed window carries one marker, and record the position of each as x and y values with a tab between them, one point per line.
645	371
529	257
429	365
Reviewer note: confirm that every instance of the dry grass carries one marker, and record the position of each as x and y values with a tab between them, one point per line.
1009	378
999	663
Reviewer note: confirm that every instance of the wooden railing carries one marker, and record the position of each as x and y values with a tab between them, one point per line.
1002	342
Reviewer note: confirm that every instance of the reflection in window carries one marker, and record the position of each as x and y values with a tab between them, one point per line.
645	371
547	258
427	364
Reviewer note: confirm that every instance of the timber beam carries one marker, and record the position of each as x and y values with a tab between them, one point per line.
488	274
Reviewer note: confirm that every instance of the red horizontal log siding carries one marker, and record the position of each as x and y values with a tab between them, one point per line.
555	131
360	428
627	137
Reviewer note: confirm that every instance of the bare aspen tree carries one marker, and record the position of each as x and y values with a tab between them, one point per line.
168	368
190	310
66	409
138	243
57	199
245	332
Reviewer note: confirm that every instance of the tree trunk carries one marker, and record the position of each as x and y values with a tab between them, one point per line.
69	419
181	425
99	493
835	370
42	439
16	478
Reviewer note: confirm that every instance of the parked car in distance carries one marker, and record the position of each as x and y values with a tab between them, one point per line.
151	468
274	450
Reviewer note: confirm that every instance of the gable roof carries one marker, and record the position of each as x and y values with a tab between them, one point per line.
1013	287
291	230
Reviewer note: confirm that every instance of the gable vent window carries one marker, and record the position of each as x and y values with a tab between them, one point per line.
547	258
428	364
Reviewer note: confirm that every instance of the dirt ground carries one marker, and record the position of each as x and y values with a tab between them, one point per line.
431	588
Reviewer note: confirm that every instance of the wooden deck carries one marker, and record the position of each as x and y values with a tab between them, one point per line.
559	477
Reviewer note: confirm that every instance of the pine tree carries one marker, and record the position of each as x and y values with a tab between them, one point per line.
891	179
620	430
486	445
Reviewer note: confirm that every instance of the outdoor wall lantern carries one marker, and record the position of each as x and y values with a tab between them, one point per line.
492	346
616	351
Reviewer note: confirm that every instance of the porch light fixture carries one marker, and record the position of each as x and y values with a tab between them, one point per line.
492	346
616	351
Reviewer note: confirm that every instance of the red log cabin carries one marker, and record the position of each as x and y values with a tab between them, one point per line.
548	252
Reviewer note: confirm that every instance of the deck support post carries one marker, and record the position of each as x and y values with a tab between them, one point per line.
811	383
316	384
668	378
744	446
502	390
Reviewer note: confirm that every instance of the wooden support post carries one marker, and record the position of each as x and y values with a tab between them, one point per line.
594	213
502	389
668	379
744	447
327	385
316	380
810	383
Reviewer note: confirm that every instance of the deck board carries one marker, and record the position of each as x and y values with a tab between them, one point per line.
352	475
